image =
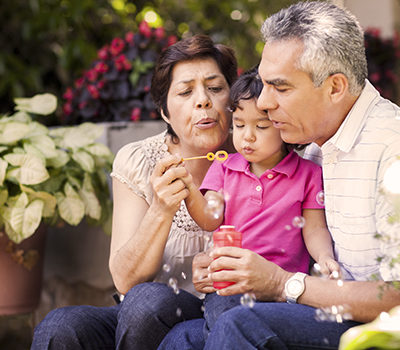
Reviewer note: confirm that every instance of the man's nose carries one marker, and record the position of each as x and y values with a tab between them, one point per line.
266	101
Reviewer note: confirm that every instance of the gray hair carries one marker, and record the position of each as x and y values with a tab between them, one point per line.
332	37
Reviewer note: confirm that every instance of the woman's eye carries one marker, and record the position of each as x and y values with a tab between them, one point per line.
215	88
185	93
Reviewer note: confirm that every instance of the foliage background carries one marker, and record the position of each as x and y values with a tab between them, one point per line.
46	44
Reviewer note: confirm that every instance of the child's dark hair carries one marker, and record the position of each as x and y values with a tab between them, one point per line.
247	87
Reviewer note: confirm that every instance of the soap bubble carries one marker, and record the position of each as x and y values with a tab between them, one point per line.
288	227
183	275
317	272
320	198
215	205
173	283
226	195
391	181
166	268
334	313
178	312
248	299
298	221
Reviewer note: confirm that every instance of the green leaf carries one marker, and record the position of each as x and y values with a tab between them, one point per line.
3	168
61	158
45	144
92	204
43	104
3	196
99	150
31	169
85	160
12	132
49	201
93	131
70	206
32	217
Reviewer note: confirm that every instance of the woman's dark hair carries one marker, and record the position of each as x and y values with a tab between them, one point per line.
247	87
195	47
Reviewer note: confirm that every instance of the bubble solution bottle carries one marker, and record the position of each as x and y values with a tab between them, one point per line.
226	236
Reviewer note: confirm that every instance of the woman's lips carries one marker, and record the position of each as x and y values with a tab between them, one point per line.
206	123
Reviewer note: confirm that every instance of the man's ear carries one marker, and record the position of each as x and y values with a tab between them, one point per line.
339	87
164	116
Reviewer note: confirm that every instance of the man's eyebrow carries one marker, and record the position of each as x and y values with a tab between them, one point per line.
278	82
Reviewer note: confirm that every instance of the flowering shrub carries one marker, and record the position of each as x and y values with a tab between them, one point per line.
116	86
383	57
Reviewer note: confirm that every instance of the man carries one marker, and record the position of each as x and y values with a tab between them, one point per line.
314	72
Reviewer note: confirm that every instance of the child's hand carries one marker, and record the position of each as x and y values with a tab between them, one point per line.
329	267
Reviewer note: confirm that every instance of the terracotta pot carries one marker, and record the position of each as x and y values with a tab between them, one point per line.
20	287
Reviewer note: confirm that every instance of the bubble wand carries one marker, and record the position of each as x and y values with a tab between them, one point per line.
219	155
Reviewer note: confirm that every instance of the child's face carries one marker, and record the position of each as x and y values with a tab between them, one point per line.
254	136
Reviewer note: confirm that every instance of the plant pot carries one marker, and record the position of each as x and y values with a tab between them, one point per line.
20	287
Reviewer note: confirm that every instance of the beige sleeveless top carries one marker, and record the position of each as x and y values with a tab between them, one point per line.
133	166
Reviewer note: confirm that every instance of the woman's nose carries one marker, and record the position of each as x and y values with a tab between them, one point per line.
266	100
203	100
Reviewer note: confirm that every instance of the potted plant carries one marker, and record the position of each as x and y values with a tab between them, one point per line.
47	177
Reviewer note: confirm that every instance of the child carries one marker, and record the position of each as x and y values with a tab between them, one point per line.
268	191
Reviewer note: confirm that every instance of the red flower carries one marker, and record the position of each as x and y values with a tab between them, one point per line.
68	94
135	114
103	53
172	39
375	76
159	33
94	92
67	108
101	68
91	75
121	63
79	82
129	37
100	84
117	45
145	29
82	105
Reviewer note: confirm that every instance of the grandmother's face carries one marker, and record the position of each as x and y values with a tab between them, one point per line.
197	104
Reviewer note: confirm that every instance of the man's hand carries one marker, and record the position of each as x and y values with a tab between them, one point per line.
201	281
251	272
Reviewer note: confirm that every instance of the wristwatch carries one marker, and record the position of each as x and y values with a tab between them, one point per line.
294	287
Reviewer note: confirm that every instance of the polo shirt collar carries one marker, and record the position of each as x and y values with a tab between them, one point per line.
286	166
347	134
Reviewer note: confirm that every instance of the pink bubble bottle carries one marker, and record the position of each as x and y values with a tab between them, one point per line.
226	236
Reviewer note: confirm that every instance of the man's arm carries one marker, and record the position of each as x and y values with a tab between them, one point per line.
254	274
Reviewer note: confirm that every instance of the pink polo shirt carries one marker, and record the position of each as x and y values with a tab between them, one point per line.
263	208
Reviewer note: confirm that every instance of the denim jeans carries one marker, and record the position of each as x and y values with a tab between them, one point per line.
141	321
274	326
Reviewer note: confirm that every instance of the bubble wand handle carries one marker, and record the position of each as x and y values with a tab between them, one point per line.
219	155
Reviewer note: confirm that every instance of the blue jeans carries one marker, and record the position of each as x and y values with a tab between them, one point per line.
141	321
274	326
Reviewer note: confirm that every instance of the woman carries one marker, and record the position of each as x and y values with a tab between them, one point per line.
151	226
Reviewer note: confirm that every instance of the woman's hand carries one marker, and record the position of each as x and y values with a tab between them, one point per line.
251	272
201	281
168	182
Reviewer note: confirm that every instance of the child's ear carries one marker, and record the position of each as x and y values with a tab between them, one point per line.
338	87
164	117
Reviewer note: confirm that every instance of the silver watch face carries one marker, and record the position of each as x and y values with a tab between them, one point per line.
294	287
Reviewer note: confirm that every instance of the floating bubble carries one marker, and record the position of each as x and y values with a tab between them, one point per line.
283	251
202	308
178	312
183	275
325	341
340	283
229	238
298	221
248	299
288	227
173	283
320	198
317	271
166	268
334	313
215	205
391	181
227	196
335	274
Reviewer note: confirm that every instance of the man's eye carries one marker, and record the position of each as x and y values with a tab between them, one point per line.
280	89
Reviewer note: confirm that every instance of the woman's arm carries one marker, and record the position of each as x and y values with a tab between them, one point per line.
318	240
140	231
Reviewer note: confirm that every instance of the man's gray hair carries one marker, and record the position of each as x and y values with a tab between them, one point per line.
332	37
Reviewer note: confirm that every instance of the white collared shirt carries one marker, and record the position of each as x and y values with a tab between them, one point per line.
354	162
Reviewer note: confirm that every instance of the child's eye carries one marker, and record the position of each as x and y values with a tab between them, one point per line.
239	126
262	127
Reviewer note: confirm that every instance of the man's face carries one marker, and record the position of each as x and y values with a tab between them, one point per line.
295	106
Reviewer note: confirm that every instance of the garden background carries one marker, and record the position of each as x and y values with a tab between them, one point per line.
60	46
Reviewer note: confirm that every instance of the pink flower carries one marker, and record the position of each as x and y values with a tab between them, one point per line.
79	82
121	63
82	104
135	114
101	67
67	108
117	45
375	76
100	84
145	29
91	75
